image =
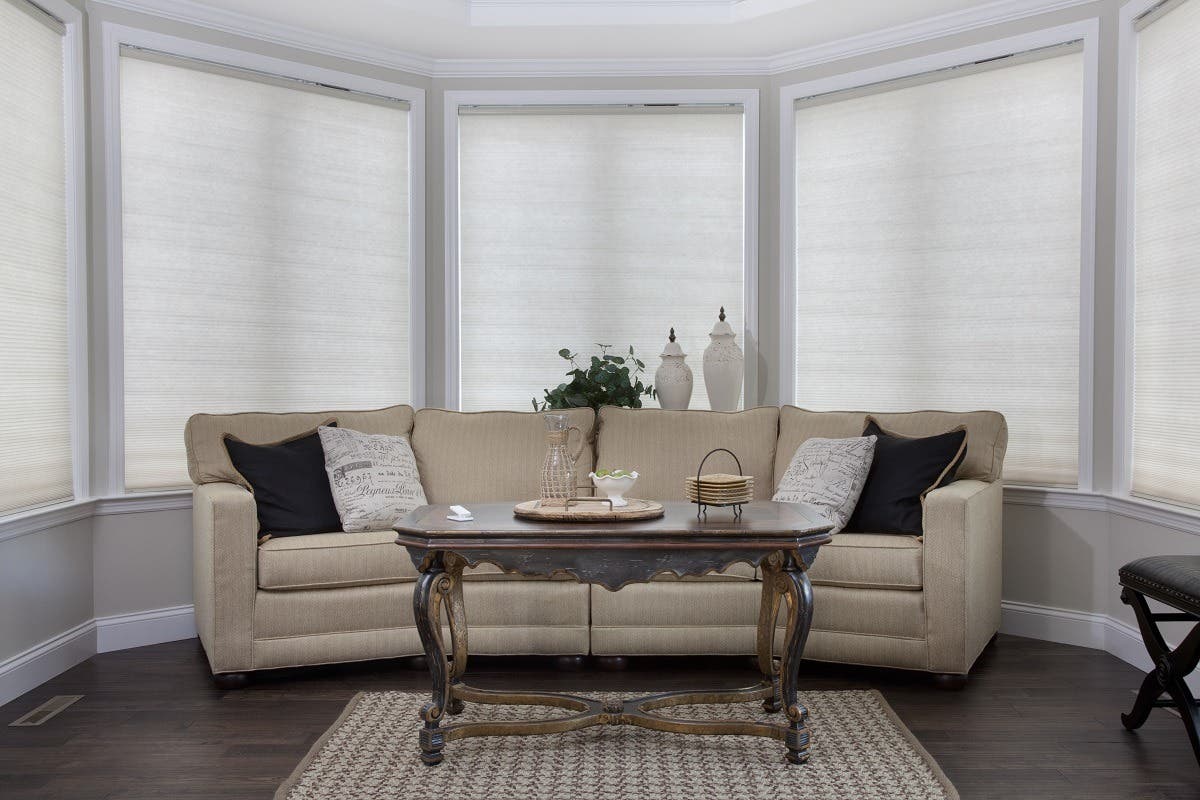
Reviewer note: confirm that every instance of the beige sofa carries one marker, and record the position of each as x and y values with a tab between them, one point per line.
928	602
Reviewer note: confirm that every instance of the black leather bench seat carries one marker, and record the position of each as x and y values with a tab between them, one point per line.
1174	580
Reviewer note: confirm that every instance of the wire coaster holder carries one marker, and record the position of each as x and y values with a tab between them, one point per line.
702	507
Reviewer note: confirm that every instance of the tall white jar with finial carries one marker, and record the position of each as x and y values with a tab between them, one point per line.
724	366
673	380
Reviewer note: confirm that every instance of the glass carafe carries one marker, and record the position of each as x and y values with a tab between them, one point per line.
558	470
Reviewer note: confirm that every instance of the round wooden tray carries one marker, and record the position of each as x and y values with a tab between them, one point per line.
588	509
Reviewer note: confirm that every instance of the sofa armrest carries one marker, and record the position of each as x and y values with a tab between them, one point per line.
225	577
962	571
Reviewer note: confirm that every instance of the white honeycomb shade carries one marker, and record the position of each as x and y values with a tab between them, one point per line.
938	252
266	253
35	409
1166	386
598	226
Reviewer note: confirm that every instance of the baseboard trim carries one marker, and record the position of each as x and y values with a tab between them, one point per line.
123	631
1080	628
33	667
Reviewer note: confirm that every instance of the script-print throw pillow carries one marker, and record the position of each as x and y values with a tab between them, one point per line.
829	474
373	476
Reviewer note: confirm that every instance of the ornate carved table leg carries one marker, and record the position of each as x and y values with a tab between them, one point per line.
798	591
431	588
457	614
768	613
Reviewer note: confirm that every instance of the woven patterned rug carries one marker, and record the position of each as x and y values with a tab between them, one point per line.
861	751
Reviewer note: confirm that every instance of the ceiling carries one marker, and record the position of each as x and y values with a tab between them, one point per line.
600	29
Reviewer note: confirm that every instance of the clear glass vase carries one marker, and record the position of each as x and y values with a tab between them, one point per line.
558	470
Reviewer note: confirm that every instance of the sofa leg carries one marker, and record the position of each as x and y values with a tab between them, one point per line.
231	680
570	663
612	663
950	682
417	663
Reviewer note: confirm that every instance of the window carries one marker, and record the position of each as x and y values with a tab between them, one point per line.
35	402
265	234
594	225
938	250
1166	240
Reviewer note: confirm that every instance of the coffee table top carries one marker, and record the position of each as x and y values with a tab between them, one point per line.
764	523
613	554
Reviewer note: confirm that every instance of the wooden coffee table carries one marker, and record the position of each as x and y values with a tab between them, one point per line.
780	538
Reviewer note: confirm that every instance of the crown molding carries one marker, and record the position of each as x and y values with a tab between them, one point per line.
620	12
195	13
995	13
259	29
510	13
599	67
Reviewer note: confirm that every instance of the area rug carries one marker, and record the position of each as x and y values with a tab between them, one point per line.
861	751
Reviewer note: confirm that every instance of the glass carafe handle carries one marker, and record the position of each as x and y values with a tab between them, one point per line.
578	450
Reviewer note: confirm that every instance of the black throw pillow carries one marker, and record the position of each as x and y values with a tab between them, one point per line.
291	487
903	471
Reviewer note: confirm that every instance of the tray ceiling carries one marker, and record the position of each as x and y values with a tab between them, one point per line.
599	29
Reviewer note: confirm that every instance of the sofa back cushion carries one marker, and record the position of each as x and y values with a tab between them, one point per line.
208	460
490	456
987	433
667	446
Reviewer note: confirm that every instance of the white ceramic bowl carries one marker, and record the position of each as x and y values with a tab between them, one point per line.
614	488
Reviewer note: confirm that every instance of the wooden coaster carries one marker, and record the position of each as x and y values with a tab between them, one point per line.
721	479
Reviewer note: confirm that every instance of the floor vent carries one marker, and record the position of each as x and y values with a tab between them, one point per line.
46	711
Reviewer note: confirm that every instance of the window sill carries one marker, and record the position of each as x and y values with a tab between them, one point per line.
40	519
1180	518
136	503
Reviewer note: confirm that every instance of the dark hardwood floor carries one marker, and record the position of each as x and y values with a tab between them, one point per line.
1037	720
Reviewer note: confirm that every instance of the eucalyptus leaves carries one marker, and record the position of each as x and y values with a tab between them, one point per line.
608	380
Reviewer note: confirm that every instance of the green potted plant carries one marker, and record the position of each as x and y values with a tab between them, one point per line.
607	380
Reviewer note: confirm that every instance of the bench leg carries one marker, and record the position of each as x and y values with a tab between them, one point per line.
1167	677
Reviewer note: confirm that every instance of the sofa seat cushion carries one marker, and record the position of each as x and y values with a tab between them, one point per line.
363	558
869	561
518	607
327	560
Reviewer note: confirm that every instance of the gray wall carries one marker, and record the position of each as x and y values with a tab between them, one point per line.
142	561
45	585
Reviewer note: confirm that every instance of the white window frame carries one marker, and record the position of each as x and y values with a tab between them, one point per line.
454	100
1125	283
1088	32
75	131
113	36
